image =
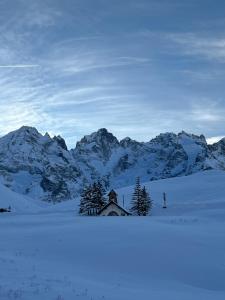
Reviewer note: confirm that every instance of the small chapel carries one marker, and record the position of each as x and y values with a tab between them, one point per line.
112	208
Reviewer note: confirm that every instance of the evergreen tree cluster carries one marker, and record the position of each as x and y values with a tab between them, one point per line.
141	203
92	199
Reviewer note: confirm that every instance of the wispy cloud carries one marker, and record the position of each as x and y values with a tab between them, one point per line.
72	67
78	61
207	47
18	66
207	111
78	67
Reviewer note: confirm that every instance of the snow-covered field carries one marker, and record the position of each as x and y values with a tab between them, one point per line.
178	253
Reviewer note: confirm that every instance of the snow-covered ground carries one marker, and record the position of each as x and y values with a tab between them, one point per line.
191	195
18	202
194	194
178	253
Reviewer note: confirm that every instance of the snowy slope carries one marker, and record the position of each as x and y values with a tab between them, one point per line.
197	193
18	203
200	193
176	254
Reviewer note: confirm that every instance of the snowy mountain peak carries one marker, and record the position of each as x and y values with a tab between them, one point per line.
100	136
128	142
25	131
99	143
47	135
37	165
219	150
164	139
42	167
60	141
16	140
200	138
28	129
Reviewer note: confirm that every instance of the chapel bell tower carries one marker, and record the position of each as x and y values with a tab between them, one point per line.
112	196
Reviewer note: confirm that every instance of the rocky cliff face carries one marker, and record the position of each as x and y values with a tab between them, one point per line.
218	151
43	167
167	155
38	165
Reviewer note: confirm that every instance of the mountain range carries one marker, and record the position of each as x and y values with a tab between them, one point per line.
44	168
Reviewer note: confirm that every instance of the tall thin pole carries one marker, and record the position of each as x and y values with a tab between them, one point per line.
164	200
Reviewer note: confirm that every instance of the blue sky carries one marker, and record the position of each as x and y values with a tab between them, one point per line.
138	68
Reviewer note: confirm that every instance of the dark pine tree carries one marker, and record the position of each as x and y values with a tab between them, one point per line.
86	201
98	196
146	202
136	203
92	199
102	193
